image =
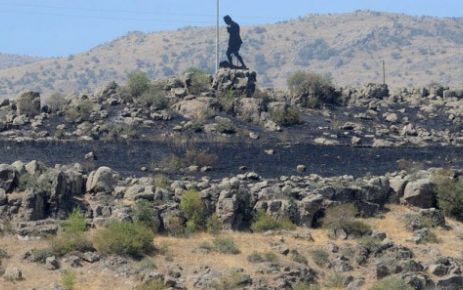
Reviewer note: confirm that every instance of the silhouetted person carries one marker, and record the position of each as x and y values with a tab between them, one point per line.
235	42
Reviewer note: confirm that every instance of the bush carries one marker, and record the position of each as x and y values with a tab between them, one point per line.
56	102
450	196
316	88
81	110
263	222
336	280
40	255
304	286
29	181
225	246
171	162
229	281
214	224
72	236
137	83
256	257
298	258
391	283
161	181
371	243
225	126
285	117
200	81
200	158
124	239
68	279
153	284
320	257
118	132
193	207
144	214
154	96
342	217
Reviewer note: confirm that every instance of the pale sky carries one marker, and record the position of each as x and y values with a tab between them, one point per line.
63	27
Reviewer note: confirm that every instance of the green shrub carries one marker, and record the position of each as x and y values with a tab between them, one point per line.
137	83
391	283
304	286
154	96
193	207
256	257
298	258
200	81
144	214
117	132
171	162
124	239
40	255
68	279
371	243
200	158
72	236
285	117
29	181
228	281
214	224
263	222
225	246
161	181
320	257
227	100
449	196
81	110
336	280
316	88
56	102
225	126
417	221
342	217
152	284
357	229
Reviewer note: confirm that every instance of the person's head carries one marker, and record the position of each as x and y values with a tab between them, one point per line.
227	19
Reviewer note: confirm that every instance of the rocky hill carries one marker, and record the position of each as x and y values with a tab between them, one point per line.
349	47
13	60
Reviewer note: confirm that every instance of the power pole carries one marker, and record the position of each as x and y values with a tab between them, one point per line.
384	72
217	46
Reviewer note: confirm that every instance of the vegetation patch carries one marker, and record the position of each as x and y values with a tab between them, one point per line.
124	239
264	222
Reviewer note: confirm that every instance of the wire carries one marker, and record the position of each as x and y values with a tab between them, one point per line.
137	12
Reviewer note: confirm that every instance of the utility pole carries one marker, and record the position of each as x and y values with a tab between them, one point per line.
217	46
384	72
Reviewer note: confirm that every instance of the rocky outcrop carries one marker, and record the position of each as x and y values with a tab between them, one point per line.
240	82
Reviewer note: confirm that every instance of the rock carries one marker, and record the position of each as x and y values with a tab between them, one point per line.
90	156
451	283
90	257
300	168
375	91
439	270
13	274
272	126
8	177
325	141
420	193
241	82
196	108
35	167
101	180
356	140
436	216
381	143
29	104
51	263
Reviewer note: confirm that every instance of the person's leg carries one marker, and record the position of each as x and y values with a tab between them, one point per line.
238	56
229	56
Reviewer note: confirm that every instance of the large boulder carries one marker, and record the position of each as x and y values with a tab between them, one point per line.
29	104
101	180
420	193
65	185
197	108
241	82
8	177
250	109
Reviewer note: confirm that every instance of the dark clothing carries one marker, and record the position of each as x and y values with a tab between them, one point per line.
234	43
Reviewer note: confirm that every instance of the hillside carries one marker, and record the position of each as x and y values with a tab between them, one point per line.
13	60
349	47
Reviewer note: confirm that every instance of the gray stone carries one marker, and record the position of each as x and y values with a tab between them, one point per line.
8	177
420	193
101	180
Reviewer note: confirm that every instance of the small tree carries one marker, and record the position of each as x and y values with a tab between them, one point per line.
137	83
192	205
313	88
200	81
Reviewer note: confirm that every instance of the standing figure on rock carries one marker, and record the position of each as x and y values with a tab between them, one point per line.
235	42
